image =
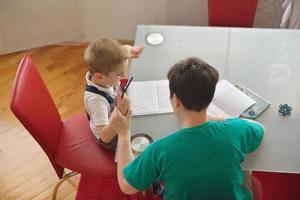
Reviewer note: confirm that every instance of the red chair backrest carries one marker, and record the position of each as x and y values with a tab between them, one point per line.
232	13
35	109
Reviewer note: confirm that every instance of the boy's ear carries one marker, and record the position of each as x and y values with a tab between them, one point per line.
98	75
176	101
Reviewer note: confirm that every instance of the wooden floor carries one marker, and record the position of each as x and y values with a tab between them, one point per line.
25	171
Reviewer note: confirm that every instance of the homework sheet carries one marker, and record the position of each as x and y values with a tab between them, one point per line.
150	97
229	100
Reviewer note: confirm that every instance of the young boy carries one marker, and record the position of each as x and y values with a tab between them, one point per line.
201	160
107	62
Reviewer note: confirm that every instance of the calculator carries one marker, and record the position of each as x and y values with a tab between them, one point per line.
256	109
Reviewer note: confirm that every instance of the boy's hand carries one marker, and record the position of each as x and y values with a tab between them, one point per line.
120	123
123	104
134	51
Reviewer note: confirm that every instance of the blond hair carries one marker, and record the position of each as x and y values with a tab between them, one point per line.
104	55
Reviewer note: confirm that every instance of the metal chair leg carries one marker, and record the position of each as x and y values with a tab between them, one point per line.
66	177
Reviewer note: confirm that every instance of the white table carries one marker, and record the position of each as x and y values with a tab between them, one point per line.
266	61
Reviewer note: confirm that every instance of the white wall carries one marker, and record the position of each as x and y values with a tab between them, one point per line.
26	24
119	18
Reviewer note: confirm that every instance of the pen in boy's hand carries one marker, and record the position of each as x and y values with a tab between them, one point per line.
125	88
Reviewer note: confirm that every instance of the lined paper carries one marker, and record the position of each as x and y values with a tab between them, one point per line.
152	97
229	100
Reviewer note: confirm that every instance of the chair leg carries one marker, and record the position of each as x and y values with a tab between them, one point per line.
66	177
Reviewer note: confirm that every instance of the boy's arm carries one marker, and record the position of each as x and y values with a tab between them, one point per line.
125	156
222	118
98	112
121	125
251	135
255	122
134	51
105	132
123	103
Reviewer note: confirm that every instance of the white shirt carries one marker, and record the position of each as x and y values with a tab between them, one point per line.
97	106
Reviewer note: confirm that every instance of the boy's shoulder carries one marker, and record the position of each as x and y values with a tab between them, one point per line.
236	124
236	121
94	99
242	122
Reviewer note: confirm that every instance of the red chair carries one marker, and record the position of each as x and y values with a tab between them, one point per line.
67	143
257	189
232	13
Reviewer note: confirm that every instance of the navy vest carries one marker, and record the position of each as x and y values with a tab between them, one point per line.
93	89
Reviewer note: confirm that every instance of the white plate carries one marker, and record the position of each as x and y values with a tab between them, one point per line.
154	39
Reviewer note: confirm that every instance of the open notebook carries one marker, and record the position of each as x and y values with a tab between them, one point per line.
152	97
229	100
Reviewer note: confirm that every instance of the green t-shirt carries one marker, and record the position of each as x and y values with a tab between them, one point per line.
201	162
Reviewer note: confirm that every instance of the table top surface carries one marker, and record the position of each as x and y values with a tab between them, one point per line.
267	61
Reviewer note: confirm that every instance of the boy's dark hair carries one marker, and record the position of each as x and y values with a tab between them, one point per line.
194	83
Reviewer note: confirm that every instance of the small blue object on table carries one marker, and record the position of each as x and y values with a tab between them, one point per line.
285	110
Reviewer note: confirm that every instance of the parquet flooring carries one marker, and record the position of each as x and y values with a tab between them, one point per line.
25	171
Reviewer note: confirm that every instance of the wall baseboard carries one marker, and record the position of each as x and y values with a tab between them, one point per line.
122	41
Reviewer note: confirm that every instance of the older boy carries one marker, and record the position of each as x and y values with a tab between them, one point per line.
107	62
201	160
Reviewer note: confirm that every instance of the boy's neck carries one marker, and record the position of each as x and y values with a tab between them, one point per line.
99	83
190	119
